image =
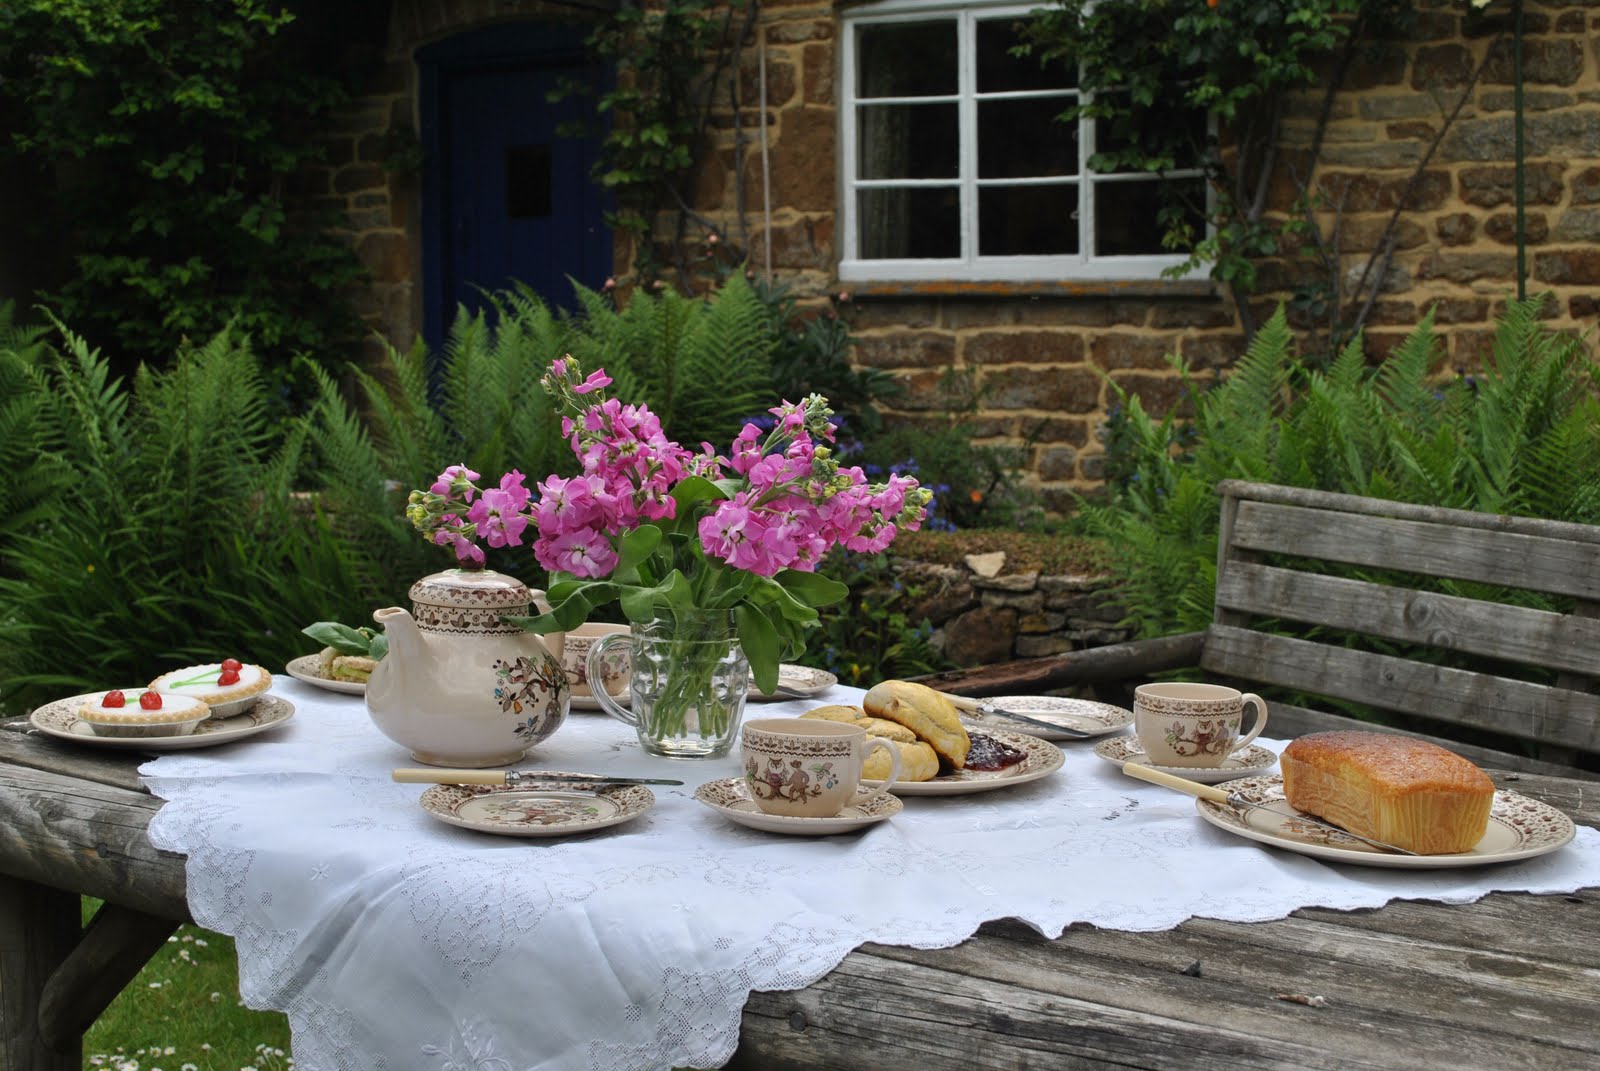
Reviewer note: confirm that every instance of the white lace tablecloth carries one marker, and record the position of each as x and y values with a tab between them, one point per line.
395	941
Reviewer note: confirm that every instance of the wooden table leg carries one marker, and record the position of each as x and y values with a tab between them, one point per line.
39	926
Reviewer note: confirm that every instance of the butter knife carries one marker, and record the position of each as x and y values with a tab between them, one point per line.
983	706
517	777
1234	799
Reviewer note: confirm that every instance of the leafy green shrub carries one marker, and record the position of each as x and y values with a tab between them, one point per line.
869	636
1522	437
161	528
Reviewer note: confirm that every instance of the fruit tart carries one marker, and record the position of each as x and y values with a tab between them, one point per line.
119	713
228	687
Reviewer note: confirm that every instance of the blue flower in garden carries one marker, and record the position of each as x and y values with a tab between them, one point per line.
872	470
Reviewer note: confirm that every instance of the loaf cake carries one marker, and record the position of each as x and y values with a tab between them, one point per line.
1406	792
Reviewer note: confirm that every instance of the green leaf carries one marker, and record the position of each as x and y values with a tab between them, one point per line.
341	638
636	546
814	589
378	646
693	489
570	612
759	639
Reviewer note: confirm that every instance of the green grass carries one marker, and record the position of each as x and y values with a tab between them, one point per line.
183	1012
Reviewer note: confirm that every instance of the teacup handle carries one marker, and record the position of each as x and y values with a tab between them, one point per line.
1261	721
894	759
596	667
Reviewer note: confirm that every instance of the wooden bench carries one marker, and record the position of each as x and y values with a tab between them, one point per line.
1506	685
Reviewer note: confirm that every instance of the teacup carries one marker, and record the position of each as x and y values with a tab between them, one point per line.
805	767
575	660
1193	725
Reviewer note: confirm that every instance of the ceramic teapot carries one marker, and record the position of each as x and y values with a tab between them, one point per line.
459	686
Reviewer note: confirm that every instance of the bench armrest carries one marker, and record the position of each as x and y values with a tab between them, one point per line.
1117	661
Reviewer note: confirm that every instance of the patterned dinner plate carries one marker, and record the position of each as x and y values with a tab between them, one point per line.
60	718
801	682
730	797
1519	828
1083	715
308	668
529	810
1250	761
1040	759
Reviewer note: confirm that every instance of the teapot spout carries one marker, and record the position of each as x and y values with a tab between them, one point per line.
405	639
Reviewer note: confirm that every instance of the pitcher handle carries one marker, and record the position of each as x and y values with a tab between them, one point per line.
596	668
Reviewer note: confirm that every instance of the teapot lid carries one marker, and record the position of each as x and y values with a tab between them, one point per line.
471	589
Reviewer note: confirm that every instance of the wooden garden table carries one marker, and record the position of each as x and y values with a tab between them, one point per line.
1510	981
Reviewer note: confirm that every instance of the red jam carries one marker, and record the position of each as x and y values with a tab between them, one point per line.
987	753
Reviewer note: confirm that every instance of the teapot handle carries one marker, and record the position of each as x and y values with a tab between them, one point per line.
596	668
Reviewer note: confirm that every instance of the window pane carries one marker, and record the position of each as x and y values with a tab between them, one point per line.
899	223
1023	139
1027	220
1000	72
907	141
906	59
1129	216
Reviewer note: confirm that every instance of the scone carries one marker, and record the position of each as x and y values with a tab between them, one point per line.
228	687
925	712
836	713
130	714
917	763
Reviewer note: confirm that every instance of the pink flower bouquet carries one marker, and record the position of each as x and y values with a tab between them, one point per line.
667	532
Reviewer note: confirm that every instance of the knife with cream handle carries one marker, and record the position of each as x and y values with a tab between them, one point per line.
518	777
1234	799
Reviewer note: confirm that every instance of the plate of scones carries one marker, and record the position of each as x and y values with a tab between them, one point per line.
939	755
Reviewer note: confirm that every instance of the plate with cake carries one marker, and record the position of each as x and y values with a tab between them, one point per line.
794	682
1402	791
939	754
97	720
228	687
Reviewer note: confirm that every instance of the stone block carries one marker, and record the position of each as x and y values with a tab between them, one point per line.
1044	621
1388	154
386	254
1056	463
1577	225
1487	187
781	82
987	565
1058	430
1023	347
1502	227
1212	351
1158	394
1356	191
1556	61
1072	389
1568	267
802	161
1457	228
1072	584
1467	267
906	349
1445	66
1031	602
1460	310
1014	582
981	636
1586	186
1043	646
1505	100
359	177
1191	314
1130	351
817	74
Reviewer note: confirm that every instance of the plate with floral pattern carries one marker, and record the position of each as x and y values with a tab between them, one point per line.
1040	758
797	682
531	810
730	797
1250	761
1083	715
60	719
308	668
1519	828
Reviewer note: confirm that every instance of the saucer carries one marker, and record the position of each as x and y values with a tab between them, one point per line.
60	719
589	702
1083	715
308	668
1249	762
730	797
528	811
1519	828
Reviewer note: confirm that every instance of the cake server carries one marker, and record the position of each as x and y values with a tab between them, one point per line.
983	706
518	777
1233	799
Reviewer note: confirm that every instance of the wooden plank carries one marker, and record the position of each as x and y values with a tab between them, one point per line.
1494	630
1496	704
115	947
1510	559
38	927
90	838
22	746
1379	507
1287	720
1118	661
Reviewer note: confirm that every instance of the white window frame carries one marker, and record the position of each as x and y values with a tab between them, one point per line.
969	266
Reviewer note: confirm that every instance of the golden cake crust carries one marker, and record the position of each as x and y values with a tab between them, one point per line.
1407	792
925	712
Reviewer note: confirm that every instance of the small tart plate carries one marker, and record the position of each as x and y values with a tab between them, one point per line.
802	682
1040	759
1084	715
531	810
60	719
1519	828
731	798
1249	761
308	668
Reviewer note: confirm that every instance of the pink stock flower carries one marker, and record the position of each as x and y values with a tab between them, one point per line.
582	552
597	381
448	480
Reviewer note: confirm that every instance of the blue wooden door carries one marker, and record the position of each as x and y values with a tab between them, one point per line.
511	198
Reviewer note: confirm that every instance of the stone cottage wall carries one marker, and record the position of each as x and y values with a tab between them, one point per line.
1041	357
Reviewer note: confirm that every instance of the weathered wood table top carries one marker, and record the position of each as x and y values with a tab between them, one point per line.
1512	981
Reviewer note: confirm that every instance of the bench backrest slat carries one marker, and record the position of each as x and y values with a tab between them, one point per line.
1457	696
1471	626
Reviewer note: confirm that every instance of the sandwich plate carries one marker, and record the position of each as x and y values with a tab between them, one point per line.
1519	828
1040	759
308	668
